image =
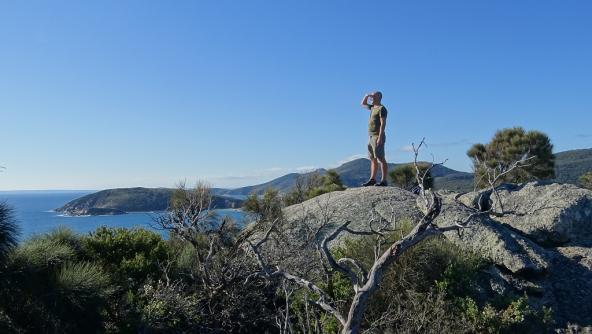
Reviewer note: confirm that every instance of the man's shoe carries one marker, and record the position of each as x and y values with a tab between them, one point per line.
370	182
381	184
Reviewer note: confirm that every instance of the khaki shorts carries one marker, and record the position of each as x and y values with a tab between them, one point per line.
376	152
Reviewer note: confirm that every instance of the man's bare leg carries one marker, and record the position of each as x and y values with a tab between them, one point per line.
373	168
383	169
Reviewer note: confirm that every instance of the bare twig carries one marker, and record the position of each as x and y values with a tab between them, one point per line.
419	176
497	173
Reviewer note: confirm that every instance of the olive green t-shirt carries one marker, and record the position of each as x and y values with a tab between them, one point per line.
376	112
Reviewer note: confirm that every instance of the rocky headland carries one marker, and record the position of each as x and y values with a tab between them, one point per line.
124	200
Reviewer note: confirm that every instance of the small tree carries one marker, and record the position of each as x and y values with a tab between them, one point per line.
266	208
586	180
404	176
332	179
509	145
313	185
329	182
225	300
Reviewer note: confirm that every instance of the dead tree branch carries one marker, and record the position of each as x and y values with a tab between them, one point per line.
366	282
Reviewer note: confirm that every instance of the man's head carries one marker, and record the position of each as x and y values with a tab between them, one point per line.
376	98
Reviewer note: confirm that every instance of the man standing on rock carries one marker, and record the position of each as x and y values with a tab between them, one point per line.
377	138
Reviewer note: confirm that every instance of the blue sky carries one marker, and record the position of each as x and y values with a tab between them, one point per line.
108	94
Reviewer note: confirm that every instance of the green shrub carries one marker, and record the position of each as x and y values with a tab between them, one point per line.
42	252
48	289
82	291
131	255
517	317
83	283
403	176
169	309
424	312
64	235
294	197
332	178
266	208
459	277
586	180
186	260
314	185
509	145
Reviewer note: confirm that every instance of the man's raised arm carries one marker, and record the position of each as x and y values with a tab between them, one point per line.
365	101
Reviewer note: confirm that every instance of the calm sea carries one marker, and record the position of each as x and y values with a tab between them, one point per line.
34	214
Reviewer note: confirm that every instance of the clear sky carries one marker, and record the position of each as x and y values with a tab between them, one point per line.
101	94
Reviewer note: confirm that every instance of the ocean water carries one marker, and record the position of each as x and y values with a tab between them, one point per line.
34	213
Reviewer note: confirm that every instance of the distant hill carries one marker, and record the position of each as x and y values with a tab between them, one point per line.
282	183
459	182
123	200
570	165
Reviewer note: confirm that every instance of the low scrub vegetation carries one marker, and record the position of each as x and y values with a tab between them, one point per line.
404	176
200	280
313	186
586	180
433	288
